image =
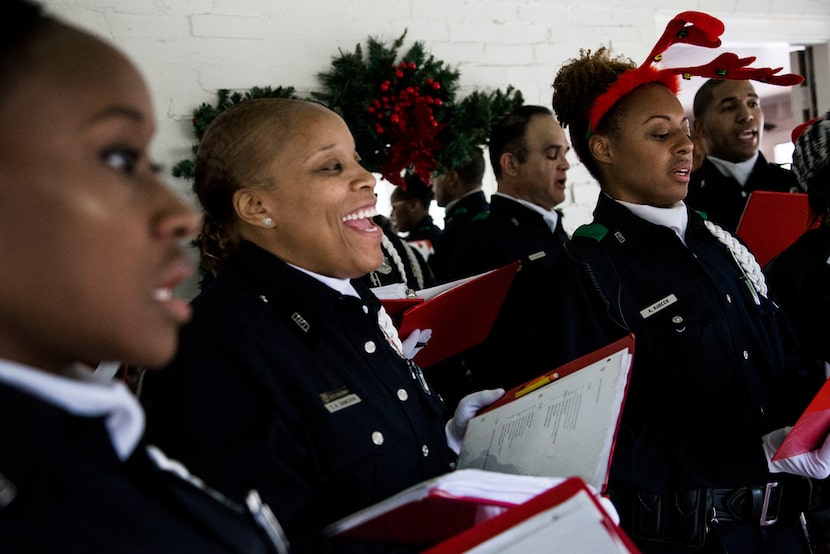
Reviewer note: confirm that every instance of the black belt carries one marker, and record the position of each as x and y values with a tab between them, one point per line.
761	504
782	500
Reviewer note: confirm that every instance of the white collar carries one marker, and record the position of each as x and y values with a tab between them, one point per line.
740	171
80	393
675	218
343	286
550	216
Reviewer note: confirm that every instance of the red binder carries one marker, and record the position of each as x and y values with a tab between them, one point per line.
772	221
580	524
460	317
811	429
439	508
564	422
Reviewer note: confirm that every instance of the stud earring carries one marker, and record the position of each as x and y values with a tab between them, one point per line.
267	221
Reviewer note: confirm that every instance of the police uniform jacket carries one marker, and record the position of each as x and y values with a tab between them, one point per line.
284	385
64	489
456	220
723	199
511	354
799	281
711	372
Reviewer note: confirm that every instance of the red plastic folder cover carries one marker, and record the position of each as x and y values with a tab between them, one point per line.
811	429
439	508
772	221
459	317
563	423
566	518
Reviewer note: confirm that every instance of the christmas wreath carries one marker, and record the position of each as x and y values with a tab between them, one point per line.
401	110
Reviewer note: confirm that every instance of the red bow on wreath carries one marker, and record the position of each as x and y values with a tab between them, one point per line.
404	115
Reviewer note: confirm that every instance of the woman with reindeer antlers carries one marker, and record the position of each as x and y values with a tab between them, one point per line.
711	389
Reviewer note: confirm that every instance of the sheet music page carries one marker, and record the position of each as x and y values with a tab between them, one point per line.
572	526
565	428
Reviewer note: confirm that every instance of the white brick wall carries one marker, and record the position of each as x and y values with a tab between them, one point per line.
189	48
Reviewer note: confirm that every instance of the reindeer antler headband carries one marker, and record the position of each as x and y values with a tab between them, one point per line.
695	28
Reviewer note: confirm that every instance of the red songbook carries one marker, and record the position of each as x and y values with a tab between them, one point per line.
439	508
460	315
811	429
566	518
563	423
772	221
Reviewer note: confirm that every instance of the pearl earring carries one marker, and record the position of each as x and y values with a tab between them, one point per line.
267	221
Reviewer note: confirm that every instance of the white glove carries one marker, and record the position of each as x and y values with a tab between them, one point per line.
467	408
815	464
416	340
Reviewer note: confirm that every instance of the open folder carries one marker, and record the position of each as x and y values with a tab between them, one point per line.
811	429
566	518
772	221
563	423
459	313
441	507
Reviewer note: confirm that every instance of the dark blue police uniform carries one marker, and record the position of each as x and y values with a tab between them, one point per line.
284	385
723	199
711	375
63	489
512	353
457	218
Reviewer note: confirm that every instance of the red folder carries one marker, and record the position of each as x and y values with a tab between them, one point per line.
536	526
460	317
439	508
811	429
627	342
502	436
772	221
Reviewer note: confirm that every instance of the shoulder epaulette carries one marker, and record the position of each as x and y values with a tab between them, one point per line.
596	231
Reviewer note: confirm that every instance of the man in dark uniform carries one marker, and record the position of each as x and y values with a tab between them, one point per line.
730	121
528	153
410	214
459	192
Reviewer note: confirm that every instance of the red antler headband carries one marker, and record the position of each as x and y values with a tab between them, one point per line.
695	28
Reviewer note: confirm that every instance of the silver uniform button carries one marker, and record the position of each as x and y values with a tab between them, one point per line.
370	346
746	355
365	309
728	298
677	319
377	438
425	450
403	395
263	298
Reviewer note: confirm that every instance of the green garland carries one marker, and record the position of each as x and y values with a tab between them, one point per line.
206	113
382	96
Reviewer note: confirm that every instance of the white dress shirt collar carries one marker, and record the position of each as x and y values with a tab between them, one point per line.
81	393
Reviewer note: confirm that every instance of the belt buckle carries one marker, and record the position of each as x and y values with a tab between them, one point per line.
765	505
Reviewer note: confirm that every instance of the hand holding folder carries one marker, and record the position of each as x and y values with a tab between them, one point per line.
805	448
562	423
460	314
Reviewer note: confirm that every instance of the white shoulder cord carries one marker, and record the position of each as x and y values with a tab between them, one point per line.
393	253
416	267
745	260
396	258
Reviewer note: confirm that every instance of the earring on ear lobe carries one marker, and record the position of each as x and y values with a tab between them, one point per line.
267	221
